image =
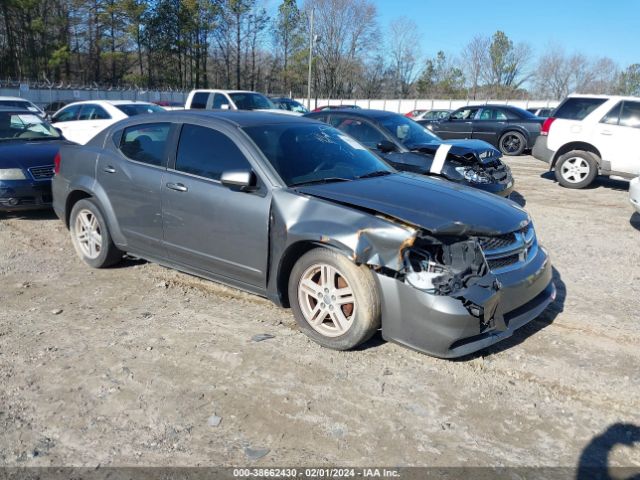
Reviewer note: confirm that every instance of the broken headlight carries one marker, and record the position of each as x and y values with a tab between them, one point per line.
472	175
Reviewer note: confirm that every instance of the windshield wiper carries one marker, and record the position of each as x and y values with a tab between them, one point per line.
377	173
321	180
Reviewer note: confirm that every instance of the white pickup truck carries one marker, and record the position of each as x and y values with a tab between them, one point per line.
205	99
590	135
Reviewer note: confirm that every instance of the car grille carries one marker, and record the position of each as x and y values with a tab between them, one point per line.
497	170
509	251
41	173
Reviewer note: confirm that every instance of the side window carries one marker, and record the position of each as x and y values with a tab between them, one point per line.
612	117
199	100
146	143
501	115
219	100
66	115
630	116
361	131
487	114
93	112
207	153
465	114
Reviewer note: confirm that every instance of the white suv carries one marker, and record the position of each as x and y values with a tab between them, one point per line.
589	135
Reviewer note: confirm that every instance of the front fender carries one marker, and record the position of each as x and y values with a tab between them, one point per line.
298	220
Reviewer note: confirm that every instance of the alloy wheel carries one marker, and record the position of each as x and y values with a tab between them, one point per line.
326	300
575	169
88	234
511	143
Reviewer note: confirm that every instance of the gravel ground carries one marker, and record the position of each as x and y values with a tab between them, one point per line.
141	365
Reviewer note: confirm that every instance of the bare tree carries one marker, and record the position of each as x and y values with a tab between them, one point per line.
347	28
475	58
404	52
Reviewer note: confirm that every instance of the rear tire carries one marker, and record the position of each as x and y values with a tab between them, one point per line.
512	143
335	302
576	169
90	235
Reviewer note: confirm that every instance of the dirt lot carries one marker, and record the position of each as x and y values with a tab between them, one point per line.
127	366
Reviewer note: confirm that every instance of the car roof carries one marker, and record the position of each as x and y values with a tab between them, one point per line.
606	97
15	98
358	112
238	118
217	90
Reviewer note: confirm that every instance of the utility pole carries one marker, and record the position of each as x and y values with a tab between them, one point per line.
311	42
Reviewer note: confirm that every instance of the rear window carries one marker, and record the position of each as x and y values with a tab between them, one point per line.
578	108
199	100
133	109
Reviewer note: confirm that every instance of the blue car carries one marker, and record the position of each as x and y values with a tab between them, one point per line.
28	147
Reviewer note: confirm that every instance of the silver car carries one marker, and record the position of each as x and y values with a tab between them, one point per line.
296	211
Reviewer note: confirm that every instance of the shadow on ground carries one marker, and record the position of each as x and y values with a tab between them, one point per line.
599	182
47	214
594	459
518	198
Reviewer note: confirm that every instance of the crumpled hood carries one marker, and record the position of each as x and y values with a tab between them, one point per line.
482	151
20	154
435	205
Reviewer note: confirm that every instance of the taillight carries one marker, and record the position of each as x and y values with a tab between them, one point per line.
546	126
56	163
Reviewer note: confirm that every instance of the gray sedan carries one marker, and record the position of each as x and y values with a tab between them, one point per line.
295	210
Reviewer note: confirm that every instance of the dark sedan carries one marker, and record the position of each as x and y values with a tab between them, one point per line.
410	147
511	129
296	211
28	146
286	103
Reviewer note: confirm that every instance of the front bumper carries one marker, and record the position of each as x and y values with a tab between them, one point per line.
24	195
541	151
634	193
502	189
443	327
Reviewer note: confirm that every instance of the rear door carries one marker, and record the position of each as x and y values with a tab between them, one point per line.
489	122
458	125
617	137
131	176
209	227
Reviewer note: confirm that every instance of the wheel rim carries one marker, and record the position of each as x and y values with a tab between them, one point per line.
88	234
575	169
327	300
511	143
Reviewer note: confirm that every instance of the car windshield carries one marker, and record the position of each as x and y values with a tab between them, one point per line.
315	153
251	101
132	109
20	104
408	132
25	126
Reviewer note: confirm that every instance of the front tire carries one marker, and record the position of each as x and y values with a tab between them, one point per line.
576	169
335	302
512	143
90	235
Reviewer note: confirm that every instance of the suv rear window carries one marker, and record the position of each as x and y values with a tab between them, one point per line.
578	108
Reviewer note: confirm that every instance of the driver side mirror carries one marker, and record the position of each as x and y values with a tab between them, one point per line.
224	106
243	180
386	146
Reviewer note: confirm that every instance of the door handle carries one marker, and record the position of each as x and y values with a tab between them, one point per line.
178	187
109	169
606	132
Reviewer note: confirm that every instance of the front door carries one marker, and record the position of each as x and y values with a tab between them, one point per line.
617	137
209	227
458	125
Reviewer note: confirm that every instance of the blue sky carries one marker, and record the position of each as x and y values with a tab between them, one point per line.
596	28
